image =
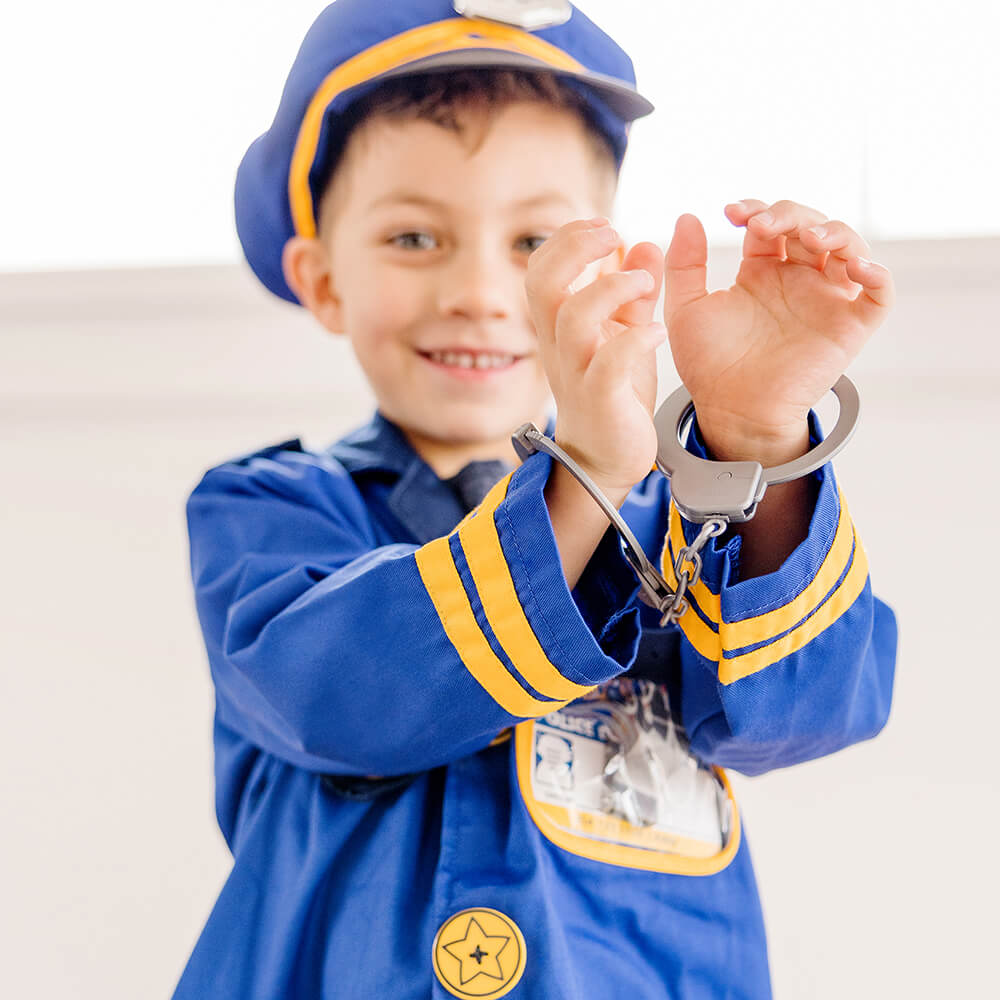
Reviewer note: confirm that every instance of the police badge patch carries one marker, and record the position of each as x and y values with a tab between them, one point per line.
531	15
610	777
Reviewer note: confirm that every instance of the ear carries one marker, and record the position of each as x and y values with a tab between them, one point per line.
306	265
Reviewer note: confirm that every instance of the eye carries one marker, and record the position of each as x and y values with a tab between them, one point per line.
414	240
530	243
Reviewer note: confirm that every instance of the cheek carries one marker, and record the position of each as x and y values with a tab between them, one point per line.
394	304
538	381
384	318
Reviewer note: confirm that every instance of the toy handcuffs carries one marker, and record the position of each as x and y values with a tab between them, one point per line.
713	494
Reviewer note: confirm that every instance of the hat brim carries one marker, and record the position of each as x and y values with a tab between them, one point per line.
623	101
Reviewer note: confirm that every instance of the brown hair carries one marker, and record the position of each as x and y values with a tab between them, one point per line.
447	98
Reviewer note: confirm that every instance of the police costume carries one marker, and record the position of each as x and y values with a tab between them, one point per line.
374	644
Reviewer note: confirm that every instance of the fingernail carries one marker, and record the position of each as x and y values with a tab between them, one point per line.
643	277
598	220
764	218
819	232
866	263
740	206
606	234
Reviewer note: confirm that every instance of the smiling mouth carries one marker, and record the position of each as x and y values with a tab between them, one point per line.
472	360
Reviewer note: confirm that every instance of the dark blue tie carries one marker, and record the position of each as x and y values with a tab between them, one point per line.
476	480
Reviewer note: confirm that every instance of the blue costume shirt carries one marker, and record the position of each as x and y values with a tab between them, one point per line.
372	647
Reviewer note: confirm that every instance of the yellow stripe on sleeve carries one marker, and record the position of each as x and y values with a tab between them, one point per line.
488	565
440	577
760	628
418	43
767	627
847	593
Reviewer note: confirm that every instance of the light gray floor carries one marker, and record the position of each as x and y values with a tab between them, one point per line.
877	866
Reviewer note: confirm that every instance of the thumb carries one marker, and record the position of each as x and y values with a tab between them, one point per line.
685	270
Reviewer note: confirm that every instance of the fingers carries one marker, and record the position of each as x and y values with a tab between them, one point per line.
555	265
685	266
810	238
648	257
773	230
878	292
616	358
841	244
585	321
800	234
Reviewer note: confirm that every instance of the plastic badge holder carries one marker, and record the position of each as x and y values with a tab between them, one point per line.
618	762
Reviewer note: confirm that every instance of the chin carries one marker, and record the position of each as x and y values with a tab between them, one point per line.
468	428
474	431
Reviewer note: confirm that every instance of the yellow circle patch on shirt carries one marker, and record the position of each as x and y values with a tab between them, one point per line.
479	953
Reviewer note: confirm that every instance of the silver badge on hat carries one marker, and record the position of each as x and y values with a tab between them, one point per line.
528	14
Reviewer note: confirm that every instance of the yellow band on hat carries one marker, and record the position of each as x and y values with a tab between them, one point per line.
419	43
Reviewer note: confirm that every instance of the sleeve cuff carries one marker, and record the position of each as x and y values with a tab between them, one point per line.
497	585
591	634
605	596
745	625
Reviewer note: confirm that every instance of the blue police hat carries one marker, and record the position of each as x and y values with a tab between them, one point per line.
355	44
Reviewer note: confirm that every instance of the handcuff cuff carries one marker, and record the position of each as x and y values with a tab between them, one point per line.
710	493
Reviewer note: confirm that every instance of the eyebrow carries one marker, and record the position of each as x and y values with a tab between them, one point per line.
421	200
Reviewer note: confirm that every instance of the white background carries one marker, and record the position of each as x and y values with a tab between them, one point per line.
122	380
124	122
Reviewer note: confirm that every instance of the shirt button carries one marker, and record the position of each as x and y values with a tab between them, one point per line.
479	952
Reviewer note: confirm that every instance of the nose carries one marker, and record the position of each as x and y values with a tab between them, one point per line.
479	283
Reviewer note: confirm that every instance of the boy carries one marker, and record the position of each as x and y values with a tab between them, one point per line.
376	626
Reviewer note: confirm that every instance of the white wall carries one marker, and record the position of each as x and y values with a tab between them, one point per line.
124	122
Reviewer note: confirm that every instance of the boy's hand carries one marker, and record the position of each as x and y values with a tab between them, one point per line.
598	346
757	356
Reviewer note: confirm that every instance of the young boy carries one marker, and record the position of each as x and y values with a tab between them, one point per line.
435	187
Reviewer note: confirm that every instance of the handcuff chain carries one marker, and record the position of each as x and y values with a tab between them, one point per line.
691	554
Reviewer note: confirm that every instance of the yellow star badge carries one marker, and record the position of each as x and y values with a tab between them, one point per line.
479	953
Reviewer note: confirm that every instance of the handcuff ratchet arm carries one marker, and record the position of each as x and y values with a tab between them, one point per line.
703	489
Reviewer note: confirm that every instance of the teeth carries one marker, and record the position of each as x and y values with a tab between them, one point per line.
465	359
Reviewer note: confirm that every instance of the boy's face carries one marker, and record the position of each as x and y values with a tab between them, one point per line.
427	242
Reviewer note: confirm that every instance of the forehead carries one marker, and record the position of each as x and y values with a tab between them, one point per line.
527	155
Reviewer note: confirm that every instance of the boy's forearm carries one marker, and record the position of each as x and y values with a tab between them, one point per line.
577	522
782	518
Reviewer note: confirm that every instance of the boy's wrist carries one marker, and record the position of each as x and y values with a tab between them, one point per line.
563	482
616	489
734	441
578	523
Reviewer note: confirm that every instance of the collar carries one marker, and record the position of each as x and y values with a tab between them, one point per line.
426	506
378	446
